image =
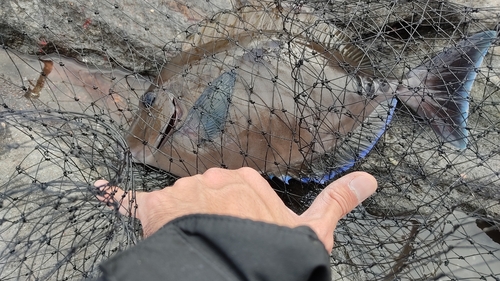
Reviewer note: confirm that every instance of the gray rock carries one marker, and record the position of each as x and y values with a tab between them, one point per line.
128	33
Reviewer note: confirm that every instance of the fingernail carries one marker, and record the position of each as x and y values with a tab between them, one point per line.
100	183
362	187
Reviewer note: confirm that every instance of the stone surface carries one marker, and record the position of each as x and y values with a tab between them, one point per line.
131	32
134	34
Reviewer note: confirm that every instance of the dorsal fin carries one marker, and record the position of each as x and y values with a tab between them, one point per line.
333	43
227	29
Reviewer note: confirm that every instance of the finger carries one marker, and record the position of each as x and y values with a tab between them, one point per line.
342	196
117	198
102	191
335	201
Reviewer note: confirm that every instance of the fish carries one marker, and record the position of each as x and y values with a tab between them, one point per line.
276	90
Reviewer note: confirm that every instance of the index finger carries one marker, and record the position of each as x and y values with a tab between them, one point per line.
116	198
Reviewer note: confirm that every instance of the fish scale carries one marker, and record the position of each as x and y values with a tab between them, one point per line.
302	100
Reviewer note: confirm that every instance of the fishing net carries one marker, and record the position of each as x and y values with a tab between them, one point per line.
80	78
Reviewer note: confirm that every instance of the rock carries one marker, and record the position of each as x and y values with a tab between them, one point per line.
128	33
138	34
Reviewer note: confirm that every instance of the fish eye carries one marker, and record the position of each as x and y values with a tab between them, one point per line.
148	99
384	85
369	87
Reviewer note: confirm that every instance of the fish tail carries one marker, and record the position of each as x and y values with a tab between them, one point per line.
438	90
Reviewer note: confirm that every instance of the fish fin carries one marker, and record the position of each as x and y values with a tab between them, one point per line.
285	178
357	145
208	115
360	60
337	46
439	89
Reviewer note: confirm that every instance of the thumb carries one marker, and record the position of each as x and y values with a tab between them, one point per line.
335	201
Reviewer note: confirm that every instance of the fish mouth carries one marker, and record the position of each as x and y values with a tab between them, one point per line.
169	128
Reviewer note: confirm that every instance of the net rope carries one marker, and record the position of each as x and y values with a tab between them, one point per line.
74	78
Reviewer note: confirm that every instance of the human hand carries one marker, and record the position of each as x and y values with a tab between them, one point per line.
242	193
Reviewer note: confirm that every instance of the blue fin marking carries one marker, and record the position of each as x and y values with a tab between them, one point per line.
285	178
361	154
471	75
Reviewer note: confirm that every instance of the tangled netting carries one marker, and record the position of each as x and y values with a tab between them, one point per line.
73	80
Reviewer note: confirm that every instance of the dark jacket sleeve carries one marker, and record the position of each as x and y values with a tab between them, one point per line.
209	247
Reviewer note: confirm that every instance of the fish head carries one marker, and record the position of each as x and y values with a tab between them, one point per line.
176	124
158	115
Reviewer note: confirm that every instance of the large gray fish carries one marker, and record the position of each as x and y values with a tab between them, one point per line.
277	91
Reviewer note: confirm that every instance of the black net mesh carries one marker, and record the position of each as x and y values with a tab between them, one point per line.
302	91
